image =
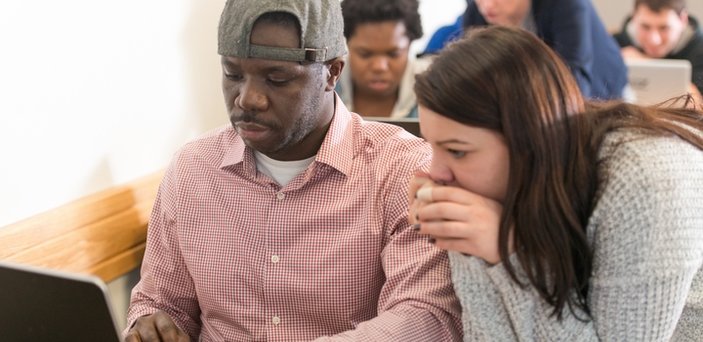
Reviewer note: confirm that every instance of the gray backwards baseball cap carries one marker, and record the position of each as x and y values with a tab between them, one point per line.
321	24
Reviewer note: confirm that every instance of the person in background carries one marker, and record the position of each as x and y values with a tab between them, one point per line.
290	224
572	28
445	35
565	220
664	29
378	80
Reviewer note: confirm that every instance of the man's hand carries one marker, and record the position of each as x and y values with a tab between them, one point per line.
693	90
156	327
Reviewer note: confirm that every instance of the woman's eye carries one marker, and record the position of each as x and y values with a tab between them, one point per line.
456	153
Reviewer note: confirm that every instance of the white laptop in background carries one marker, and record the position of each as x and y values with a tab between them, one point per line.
40	305
654	81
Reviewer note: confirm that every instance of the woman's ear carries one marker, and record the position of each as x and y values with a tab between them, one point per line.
334	71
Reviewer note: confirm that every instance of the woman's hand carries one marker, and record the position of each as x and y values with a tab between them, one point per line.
457	219
420	180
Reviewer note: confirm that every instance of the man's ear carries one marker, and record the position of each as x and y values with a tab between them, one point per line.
684	17
334	71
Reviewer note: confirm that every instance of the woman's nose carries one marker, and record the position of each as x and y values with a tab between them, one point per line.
440	173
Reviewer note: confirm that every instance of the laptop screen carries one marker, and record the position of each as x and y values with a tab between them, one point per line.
49	305
656	80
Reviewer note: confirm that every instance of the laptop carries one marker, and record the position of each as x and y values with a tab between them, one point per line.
654	81
411	125
49	305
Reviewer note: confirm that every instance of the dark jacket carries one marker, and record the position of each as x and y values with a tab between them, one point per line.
693	51
573	29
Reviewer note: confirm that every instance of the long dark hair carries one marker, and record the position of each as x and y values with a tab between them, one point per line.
507	80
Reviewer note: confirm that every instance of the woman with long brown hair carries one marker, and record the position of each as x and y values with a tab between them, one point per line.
565	220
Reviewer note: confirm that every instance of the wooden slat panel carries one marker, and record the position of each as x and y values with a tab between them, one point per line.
74	215
102	234
85	247
121	264
59	221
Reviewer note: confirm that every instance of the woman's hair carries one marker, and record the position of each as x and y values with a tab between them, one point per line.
356	12
508	80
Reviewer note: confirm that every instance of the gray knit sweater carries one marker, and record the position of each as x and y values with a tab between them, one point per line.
646	233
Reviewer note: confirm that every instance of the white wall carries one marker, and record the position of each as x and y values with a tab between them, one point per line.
95	93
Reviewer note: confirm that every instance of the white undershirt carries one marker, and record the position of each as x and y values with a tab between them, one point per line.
280	171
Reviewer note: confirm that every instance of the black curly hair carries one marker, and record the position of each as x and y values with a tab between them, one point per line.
357	12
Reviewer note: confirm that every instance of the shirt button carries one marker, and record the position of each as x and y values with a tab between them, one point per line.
276	320
280	195
275	259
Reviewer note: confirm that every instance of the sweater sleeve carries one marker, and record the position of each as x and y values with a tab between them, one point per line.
495	308
646	237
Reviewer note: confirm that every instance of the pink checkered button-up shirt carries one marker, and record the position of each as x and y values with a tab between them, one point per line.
232	256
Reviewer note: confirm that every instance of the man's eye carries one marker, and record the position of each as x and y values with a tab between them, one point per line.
233	77
278	82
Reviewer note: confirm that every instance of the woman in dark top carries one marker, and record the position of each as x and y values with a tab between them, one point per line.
572	28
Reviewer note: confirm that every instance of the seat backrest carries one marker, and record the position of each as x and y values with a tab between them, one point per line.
103	234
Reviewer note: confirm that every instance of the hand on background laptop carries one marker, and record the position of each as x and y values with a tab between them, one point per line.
156	327
693	90
630	52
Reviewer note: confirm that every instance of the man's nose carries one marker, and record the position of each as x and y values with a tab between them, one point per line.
251	98
655	37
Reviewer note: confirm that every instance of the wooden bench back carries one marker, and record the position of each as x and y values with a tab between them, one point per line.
102	234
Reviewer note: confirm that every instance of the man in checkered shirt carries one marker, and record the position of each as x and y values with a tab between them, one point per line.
291	223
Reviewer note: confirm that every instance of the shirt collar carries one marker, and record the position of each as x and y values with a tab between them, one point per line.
234	153
337	149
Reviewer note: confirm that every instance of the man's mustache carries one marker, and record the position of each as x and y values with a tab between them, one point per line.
251	117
